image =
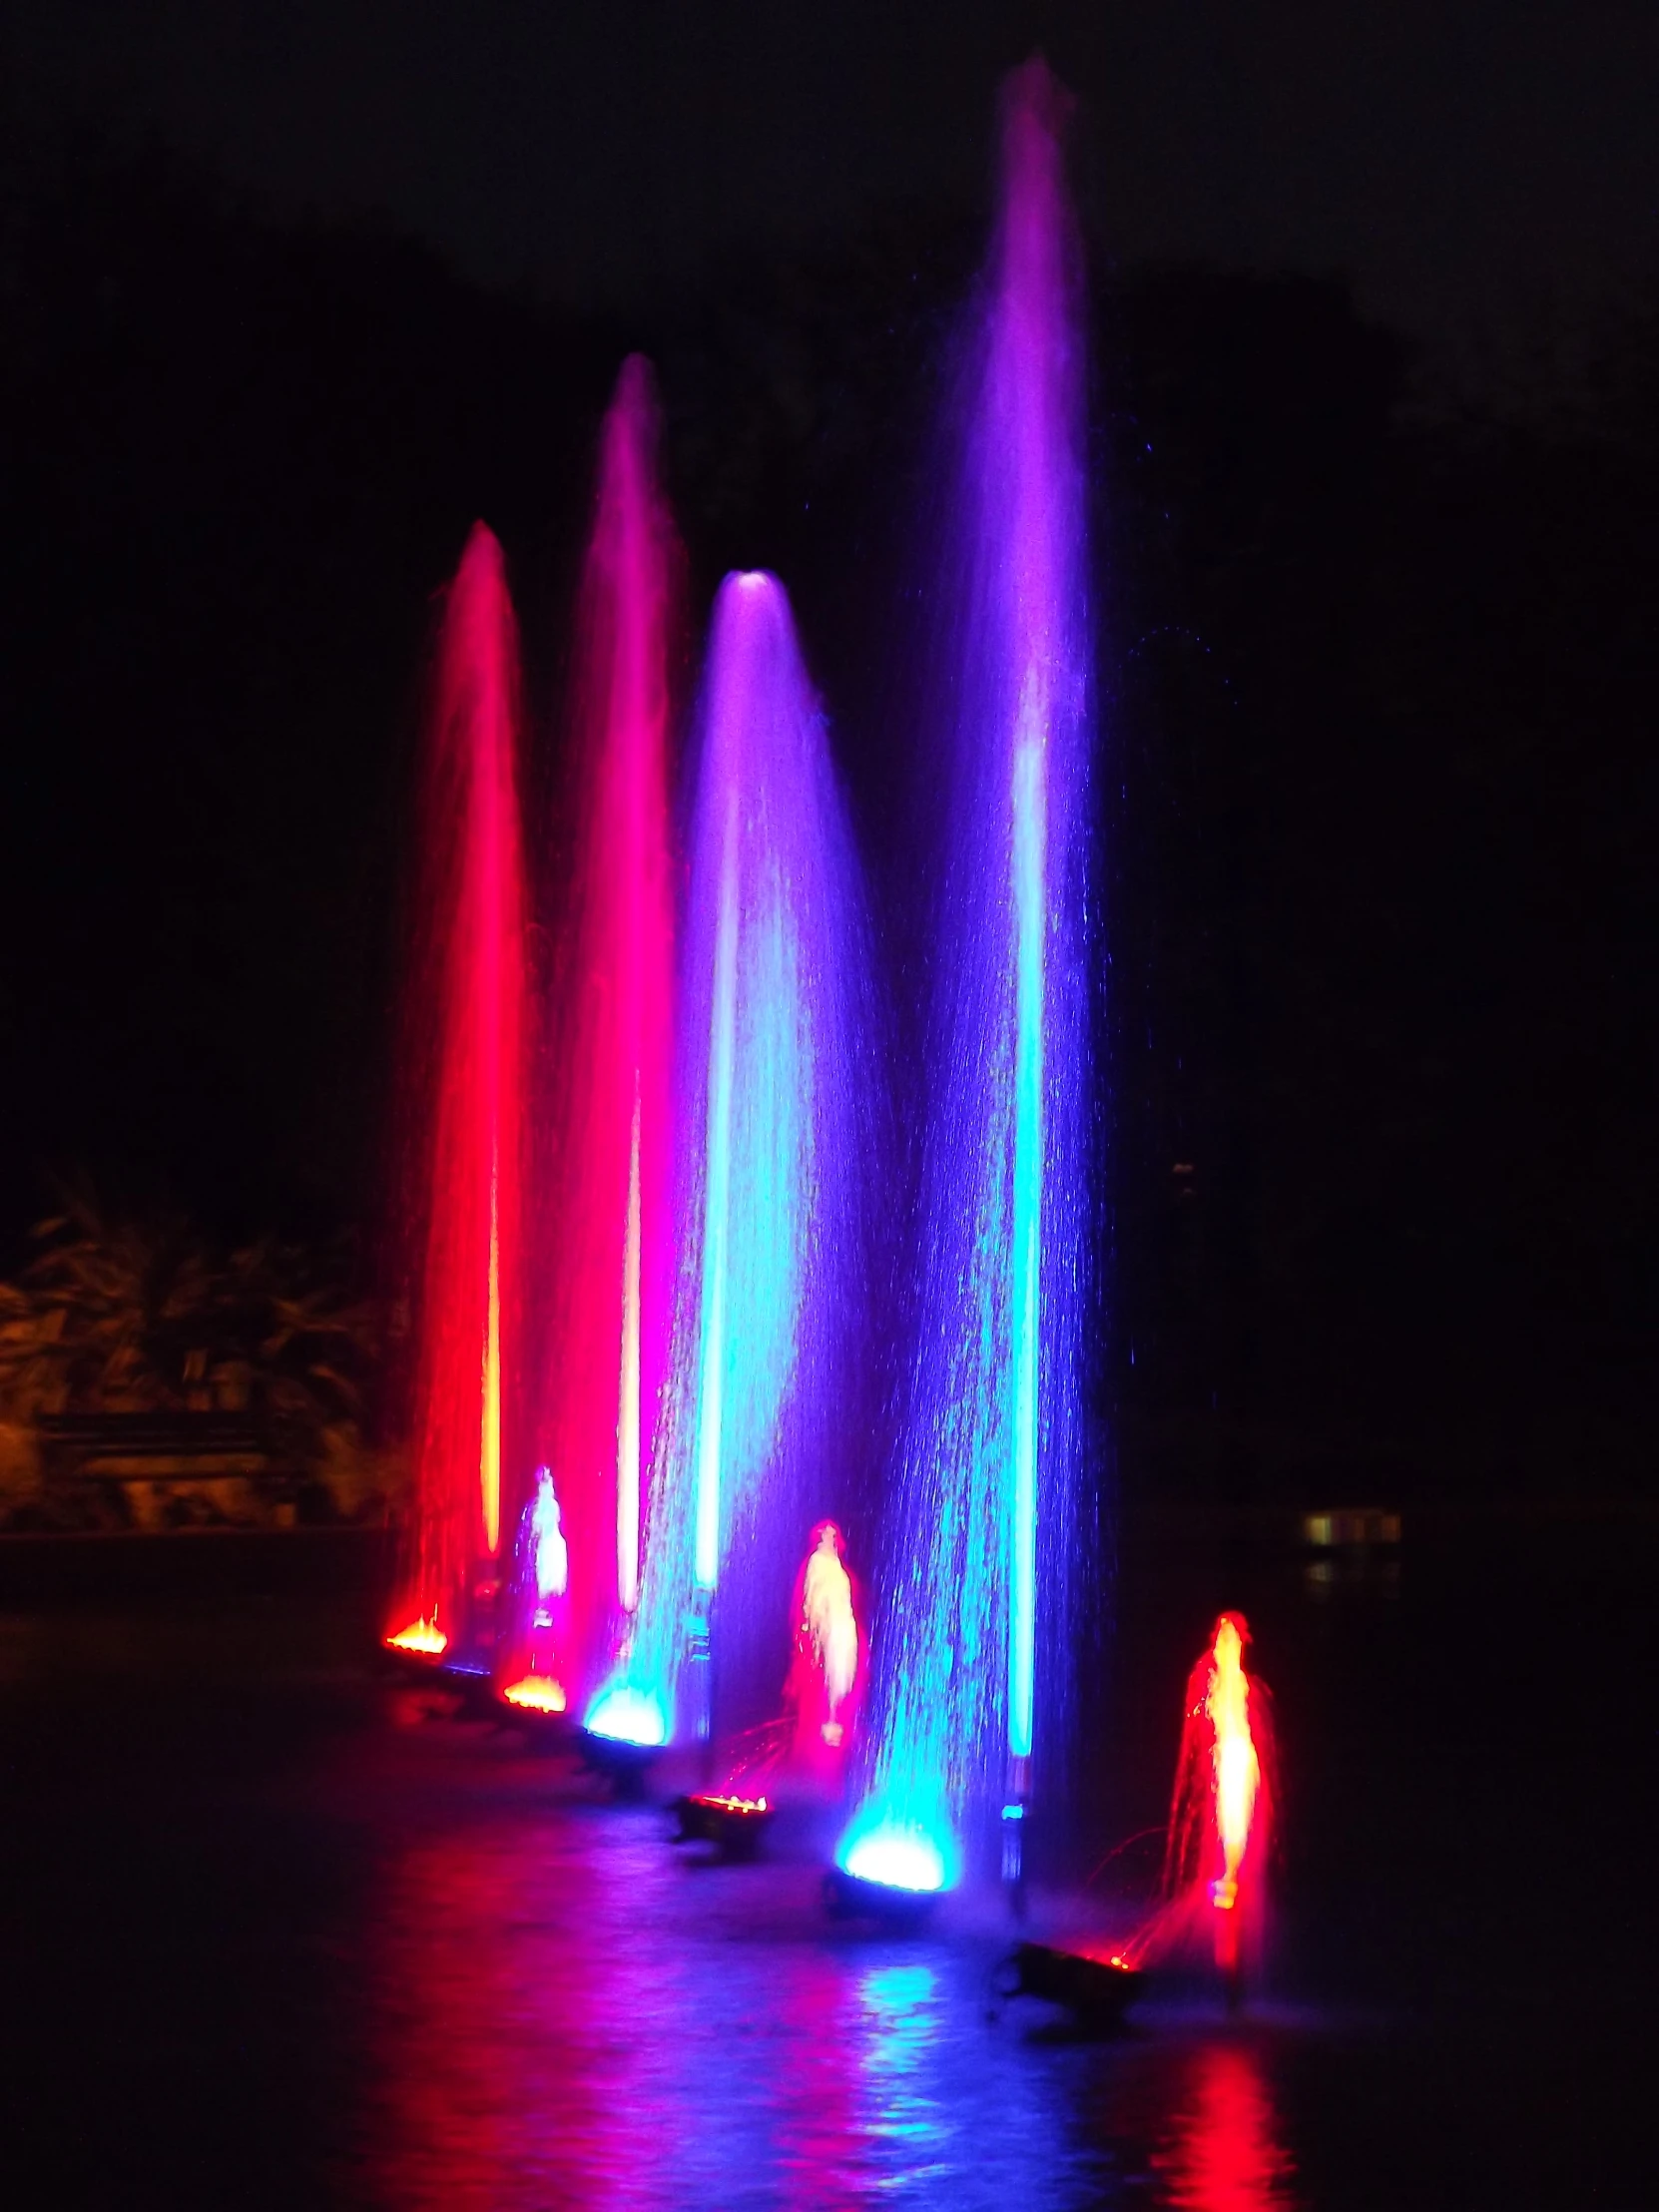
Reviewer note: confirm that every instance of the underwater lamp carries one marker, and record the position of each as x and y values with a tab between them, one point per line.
732	1822
893	1867
1095	1992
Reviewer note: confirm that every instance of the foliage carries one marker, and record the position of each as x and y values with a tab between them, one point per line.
141	1316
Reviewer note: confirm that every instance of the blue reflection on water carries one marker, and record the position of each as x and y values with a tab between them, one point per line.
897	2010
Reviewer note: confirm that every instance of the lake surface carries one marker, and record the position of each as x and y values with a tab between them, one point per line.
275	1930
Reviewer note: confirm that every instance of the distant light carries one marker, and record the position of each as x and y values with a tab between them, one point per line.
423	1636
626	1716
536	1693
716	1803
1013	1812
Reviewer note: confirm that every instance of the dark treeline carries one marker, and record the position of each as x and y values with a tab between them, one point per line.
1376	785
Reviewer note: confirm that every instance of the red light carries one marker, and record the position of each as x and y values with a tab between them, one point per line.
424	1637
536	1693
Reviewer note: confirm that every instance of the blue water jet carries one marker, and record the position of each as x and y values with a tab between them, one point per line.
978	1581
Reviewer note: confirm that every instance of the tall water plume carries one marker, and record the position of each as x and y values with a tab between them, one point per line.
463	1105
774	1129
974	1631
606	1243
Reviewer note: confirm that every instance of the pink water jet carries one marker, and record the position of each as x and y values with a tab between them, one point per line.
463	1106
605	1244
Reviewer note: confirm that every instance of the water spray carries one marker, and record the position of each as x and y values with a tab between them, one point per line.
770	1065
467	1018
976	1637
605	1253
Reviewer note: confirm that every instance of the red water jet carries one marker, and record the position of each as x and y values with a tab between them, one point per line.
464	1087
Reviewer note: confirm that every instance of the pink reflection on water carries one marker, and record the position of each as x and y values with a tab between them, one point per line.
562	2013
508	2069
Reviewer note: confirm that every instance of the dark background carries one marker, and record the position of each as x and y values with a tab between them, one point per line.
288	298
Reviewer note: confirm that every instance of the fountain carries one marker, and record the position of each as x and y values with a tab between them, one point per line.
773	1085
463	1093
604	1242
1216	1844
977	1579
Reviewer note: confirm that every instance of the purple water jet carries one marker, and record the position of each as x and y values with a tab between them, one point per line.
773	1085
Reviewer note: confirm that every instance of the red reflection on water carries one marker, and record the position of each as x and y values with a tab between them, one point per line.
1220	2149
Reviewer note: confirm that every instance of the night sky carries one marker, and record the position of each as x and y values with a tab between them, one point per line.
1484	171
289	295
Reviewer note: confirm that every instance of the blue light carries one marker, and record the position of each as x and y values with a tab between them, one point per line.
716	1209
624	1715
1025	1245
894	1850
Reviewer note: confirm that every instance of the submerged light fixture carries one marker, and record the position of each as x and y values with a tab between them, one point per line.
624	1715
894	1862
536	1693
422	1639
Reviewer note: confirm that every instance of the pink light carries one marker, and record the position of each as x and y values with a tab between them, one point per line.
628	1419
825	1677
489	1472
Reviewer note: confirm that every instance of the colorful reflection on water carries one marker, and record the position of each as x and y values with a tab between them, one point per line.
560	2009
